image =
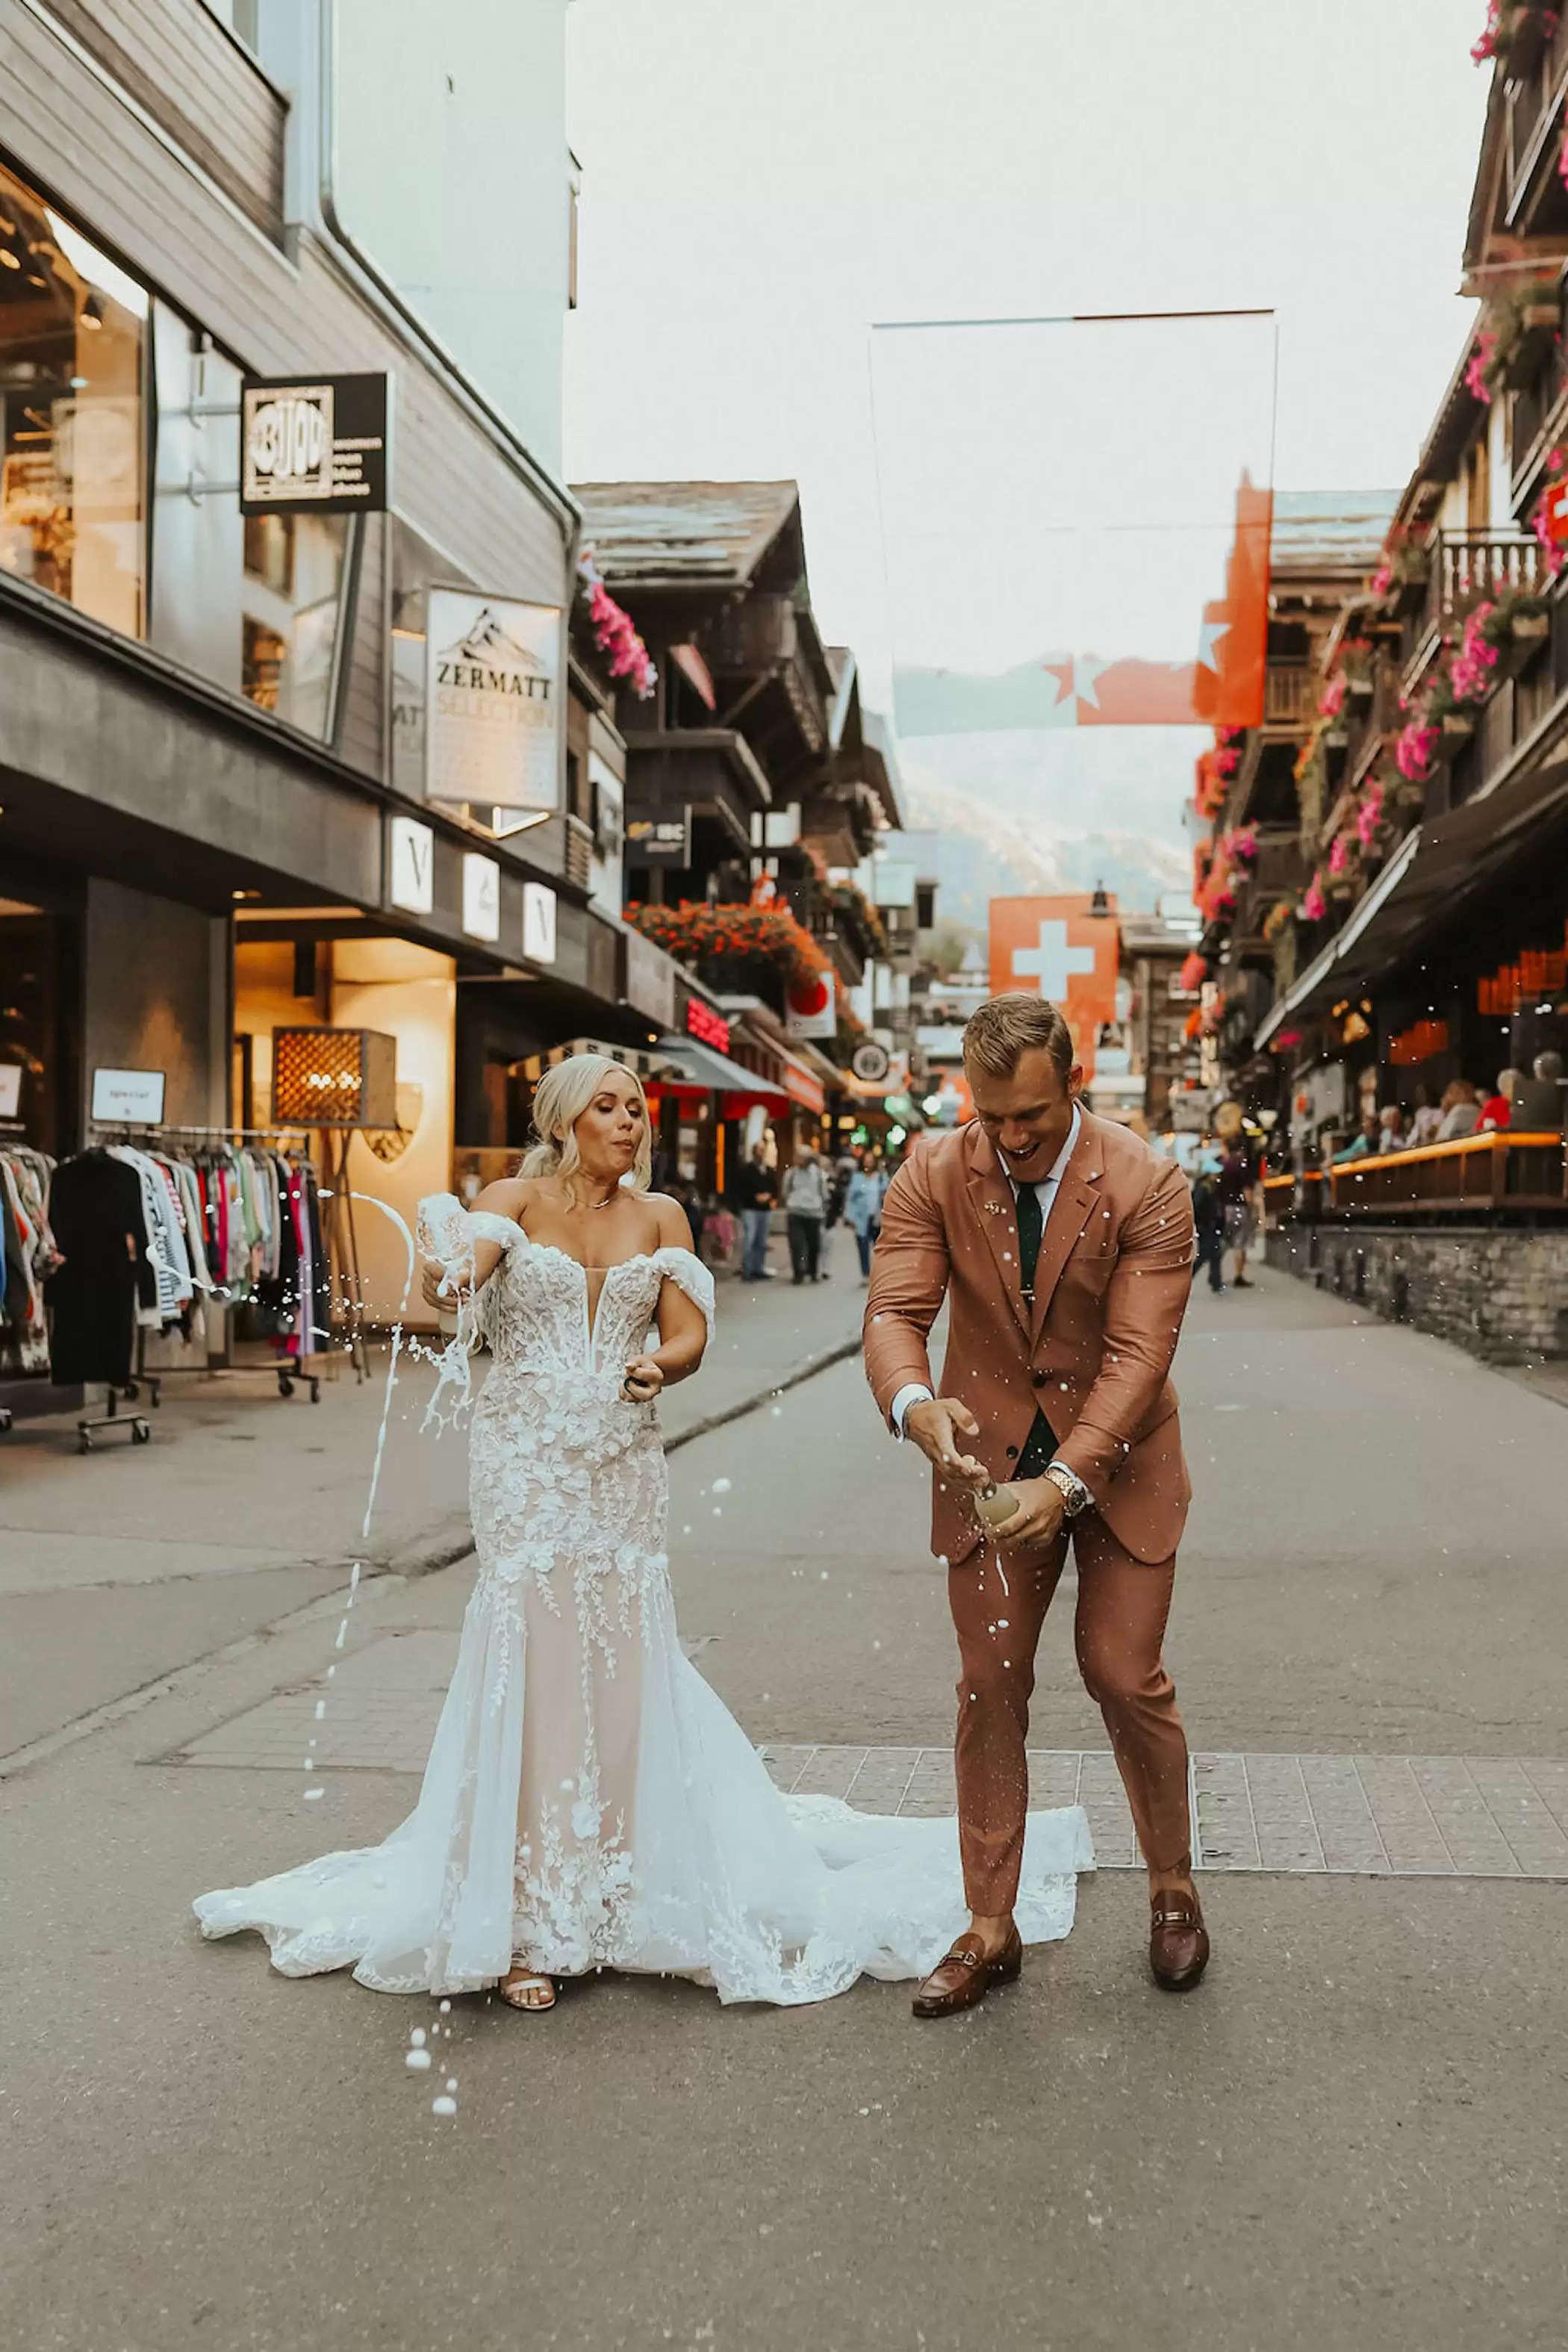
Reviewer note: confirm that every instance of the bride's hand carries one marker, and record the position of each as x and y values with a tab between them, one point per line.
644	1380
442	1291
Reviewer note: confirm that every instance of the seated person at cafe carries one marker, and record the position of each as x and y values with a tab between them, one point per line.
1461	1111
1368	1139
1538	1100
1426	1118
1391	1119
1497	1109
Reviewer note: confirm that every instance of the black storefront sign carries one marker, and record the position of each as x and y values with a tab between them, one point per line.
314	446
659	836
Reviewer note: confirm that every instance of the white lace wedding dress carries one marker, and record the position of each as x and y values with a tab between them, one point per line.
588	1802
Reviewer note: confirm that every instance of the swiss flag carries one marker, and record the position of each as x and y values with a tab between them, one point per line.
1554	509
1057	949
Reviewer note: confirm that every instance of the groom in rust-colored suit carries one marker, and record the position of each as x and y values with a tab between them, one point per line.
1063	1246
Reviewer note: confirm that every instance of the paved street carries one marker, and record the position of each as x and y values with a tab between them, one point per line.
1350	2137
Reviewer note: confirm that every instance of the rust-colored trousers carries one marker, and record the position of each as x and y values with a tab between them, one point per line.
1123	1605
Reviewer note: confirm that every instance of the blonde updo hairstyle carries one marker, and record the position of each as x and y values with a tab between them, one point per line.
561	1097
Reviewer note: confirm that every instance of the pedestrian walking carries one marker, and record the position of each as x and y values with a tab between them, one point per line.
756	1191
805	1209
1240	1176
866	1189
1209	1218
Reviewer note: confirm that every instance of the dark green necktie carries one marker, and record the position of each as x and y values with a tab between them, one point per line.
1031	1226
1041	1443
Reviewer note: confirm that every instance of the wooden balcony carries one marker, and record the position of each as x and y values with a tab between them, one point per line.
1468	568
1478	1174
1370	720
748	639
1537	69
1288	696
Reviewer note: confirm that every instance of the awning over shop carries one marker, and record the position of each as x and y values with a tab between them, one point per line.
699	1068
803	1086
1436	870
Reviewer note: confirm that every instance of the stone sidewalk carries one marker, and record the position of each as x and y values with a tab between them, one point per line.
121	1565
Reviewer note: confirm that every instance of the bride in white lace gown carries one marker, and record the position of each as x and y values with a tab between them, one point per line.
588	1802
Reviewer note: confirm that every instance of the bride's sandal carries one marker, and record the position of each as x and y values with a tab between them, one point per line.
523	1988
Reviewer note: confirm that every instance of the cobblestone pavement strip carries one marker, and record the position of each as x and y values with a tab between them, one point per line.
1380	1816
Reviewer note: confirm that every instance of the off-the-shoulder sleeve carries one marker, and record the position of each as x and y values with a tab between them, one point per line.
447	1231
688	1274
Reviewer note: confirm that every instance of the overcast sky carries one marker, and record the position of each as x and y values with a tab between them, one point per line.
762	182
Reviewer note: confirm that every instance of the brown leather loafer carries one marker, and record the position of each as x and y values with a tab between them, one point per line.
966	1976
1178	1943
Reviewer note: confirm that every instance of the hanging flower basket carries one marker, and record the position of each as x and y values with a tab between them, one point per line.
1509	24
1532	326
1355	664
1401	578
690	932
614	633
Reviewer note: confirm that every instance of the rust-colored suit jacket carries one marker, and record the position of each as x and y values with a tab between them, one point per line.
1110	1289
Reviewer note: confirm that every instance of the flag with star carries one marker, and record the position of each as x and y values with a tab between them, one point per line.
1221	685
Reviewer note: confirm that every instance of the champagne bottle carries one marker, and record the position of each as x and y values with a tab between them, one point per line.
995	1504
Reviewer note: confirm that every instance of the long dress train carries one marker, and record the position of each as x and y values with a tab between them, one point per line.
588	1800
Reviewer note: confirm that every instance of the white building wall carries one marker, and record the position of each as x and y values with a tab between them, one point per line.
452	173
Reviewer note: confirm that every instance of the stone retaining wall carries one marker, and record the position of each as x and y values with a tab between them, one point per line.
1500	1291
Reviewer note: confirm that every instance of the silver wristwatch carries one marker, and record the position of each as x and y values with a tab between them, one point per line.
1074	1495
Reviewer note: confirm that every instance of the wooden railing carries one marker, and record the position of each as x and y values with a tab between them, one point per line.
1288	694
1476	1172
1293	1194
1470	567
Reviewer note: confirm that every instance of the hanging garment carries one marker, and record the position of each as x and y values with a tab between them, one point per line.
99	1227
29	1257
165	1241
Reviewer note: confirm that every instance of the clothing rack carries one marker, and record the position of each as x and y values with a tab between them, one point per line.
288	1373
339	1226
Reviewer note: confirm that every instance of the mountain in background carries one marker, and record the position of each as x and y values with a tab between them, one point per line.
1007	824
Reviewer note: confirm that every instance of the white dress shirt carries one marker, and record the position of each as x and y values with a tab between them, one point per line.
1044	1191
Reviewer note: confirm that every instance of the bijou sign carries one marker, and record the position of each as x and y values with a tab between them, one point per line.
314	446
492	700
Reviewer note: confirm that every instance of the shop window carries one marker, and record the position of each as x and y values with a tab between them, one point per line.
35	947
292	610
73	346
417	567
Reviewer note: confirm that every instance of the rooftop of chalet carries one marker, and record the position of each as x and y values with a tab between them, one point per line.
1319	531
691	534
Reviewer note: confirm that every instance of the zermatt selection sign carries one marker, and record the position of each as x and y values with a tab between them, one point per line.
313	448
492	671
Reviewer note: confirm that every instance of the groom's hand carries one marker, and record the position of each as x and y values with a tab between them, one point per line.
935	1426
1039	1518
